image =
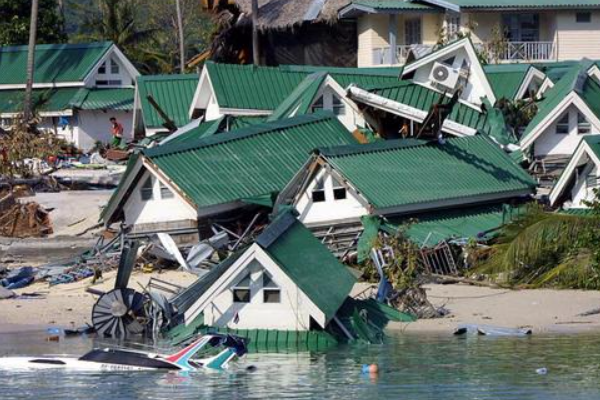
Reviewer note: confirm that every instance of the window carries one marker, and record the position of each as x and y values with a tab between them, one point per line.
318	193
318	105
271	292
241	291
102	68
339	108
562	126
583	126
583	17
339	191
148	189
412	31
452	25
521	27
165	192
108	83
114	67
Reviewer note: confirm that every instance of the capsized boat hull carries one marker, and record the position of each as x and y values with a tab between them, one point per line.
75	364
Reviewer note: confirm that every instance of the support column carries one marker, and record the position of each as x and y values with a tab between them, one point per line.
392	39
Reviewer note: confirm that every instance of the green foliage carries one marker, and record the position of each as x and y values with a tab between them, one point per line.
517	113
14	22
548	249
146	31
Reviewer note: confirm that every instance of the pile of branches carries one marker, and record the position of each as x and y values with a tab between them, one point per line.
24	221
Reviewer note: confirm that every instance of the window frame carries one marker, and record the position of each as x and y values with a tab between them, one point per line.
561	122
115	69
582	120
271	288
242	288
144	190
319	189
165	189
580	20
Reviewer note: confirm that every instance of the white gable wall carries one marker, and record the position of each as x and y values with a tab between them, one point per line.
552	143
122	75
157	210
585	183
330	210
94	125
473	90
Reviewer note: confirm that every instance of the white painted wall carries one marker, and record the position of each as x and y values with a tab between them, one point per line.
212	110
551	143
581	192
348	116
138	211
290	314
123	75
473	90
577	40
94	125
330	210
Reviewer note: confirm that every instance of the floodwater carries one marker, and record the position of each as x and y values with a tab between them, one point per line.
411	367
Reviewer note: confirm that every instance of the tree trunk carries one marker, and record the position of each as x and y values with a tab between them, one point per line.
255	44
181	39
27	112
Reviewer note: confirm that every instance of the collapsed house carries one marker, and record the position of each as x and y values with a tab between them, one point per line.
578	183
162	103
340	186
77	88
172	187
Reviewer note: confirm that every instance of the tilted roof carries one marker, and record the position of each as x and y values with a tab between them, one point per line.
53	63
173	93
394	175
575	80
258	160
303	258
506	79
301	98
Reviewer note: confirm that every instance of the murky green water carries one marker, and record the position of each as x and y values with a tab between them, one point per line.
412	367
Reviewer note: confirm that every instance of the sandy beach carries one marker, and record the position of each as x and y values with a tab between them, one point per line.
554	311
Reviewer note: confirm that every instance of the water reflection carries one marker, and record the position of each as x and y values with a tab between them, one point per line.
412	367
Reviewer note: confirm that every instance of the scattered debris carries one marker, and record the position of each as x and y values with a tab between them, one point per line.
489	330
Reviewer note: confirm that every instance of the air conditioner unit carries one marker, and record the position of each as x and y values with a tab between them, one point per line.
444	75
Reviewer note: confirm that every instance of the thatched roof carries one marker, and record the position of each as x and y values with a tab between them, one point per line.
282	14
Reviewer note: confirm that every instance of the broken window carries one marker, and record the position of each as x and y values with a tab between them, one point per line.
562	126
583	126
271	292
148	189
114	67
318	193
339	191
241	291
165	192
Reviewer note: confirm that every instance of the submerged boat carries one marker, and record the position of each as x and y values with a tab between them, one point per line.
216	350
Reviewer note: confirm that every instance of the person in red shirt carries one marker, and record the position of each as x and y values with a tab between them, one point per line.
117	132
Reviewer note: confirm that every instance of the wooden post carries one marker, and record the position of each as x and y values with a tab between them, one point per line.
392	38
255	43
181	37
27	112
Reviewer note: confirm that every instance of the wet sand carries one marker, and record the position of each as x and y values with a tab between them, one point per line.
69	305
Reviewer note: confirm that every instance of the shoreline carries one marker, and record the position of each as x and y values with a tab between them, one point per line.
542	310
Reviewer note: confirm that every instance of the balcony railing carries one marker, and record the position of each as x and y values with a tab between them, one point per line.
508	52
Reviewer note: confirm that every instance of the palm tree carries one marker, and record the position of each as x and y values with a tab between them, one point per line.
27	112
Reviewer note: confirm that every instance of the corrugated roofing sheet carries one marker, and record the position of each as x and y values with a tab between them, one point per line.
462	168
45	100
53	63
250	87
194	135
173	93
301	98
505	84
260	159
522	4
392	5
120	99
315	270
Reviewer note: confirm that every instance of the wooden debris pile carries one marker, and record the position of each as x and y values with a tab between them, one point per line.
22	220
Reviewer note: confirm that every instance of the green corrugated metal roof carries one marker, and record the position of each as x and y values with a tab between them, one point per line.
576	79
391	5
260	159
238	122
396	175
250	87
480	222
422	98
105	99
593	142
506	81
301	98
53	63
522	4
358	76
48	100
315	270
203	130
173	93
114	198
